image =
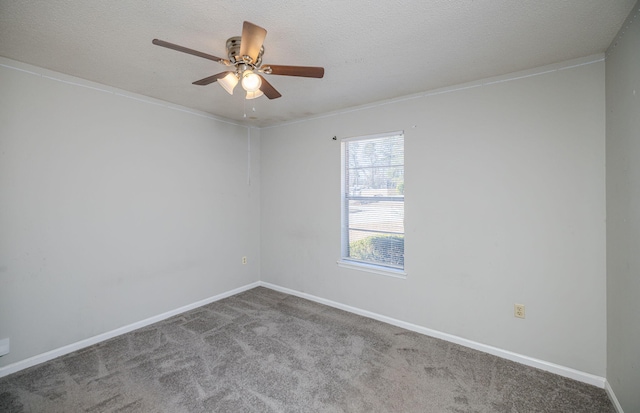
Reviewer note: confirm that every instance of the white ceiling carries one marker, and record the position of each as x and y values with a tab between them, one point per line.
371	51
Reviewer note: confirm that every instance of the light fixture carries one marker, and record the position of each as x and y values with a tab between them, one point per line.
250	81
229	82
253	95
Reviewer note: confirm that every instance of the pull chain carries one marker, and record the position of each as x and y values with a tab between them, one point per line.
249	156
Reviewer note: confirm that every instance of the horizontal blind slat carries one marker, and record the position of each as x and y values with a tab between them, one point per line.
373	199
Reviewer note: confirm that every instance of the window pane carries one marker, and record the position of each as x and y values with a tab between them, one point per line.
376	181
378	151
377	248
373	200
378	216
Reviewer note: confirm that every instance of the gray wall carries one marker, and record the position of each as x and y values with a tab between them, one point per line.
116	209
113	210
505	203
623	214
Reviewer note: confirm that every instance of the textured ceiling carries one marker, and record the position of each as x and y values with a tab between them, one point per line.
371	51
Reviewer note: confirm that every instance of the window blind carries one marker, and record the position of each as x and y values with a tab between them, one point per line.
373	200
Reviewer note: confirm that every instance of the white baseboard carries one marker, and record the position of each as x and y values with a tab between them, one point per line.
519	358
49	355
509	355
612	397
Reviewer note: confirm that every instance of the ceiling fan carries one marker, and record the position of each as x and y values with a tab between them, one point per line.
245	56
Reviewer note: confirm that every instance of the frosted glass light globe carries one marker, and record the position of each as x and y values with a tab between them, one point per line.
250	81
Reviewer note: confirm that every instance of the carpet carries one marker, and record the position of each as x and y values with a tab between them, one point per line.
265	351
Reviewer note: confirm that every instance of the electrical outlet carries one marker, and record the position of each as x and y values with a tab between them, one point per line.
518	310
4	346
244	260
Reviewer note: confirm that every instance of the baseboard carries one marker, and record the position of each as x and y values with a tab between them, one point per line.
519	358
612	397
49	355
509	355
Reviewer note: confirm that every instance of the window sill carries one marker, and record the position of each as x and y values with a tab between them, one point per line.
376	269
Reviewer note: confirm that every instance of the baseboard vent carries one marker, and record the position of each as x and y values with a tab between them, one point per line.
4	346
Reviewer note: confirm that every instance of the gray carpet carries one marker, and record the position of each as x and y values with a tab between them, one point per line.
264	351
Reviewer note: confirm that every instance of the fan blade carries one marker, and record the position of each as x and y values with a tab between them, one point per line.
185	50
302	71
252	39
210	79
269	90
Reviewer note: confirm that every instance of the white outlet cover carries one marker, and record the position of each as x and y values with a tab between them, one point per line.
4	346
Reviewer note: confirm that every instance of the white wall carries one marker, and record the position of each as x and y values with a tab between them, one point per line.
114	208
623	214
505	203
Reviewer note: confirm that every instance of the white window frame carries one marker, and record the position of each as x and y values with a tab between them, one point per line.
345	261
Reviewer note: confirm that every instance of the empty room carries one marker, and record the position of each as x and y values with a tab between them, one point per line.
278	206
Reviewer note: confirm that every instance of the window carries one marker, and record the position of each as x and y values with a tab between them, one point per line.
373	202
